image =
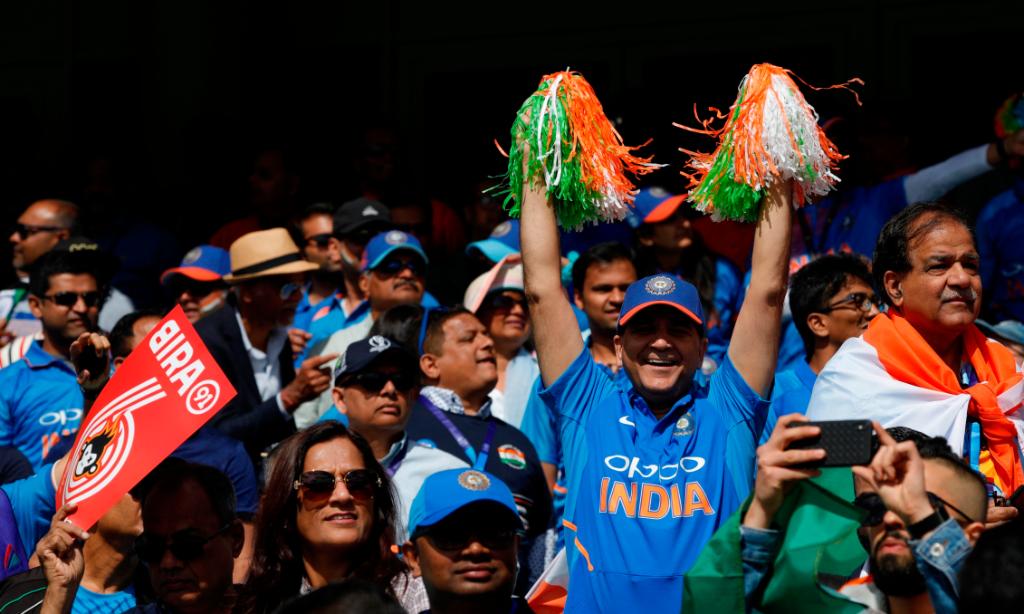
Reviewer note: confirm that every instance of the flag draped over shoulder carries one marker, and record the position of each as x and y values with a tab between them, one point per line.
892	375
819	543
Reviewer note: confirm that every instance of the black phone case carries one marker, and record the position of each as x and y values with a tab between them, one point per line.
846	442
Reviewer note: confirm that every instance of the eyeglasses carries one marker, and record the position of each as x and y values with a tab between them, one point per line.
504	302
395	266
452	538
858	300
184	545
872	503
321	240
196	289
25	231
70	299
289	289
316	487
374	381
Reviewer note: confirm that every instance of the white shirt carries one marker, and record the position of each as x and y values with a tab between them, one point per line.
266	366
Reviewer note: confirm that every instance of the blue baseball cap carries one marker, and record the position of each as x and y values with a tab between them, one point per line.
653	205
384	243
1010	330
201	263
445	492
504	241
360	355
661	289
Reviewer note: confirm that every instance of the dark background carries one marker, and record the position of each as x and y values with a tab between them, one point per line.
177	93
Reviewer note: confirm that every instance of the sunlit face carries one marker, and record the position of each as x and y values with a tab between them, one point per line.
344	522
675	233
843	314
320	246
42	231
661	350
381	411
506	317
274	298
386	288
604	290
466	363
65	323
941	294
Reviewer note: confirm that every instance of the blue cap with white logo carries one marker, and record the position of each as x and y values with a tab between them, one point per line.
504	241
383	244
445	492
661	289
201	263
361	355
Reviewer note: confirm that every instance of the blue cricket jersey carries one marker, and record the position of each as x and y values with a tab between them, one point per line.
1000	227
645	495
790	394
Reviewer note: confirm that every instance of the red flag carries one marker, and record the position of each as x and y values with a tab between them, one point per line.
166	389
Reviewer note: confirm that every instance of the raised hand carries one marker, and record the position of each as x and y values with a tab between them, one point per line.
776	474
310	381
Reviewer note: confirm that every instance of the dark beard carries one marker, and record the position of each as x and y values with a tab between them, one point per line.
896	577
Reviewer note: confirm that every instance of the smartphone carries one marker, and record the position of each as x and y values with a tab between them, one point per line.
846	442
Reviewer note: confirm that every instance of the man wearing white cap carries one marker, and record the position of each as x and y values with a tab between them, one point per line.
249	340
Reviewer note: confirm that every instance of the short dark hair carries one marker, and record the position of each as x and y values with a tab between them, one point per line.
319	208
433	338
990	580
59	262
892	250
173	472
602	253
937	449
400	323
122	334
815	283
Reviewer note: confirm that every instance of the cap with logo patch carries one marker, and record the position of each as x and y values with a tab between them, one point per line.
360	213
446	492
201	263
504	241
385	243
661	289
362	354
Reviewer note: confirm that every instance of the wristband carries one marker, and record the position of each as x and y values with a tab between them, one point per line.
923	527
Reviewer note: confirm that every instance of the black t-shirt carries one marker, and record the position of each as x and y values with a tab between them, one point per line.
511	459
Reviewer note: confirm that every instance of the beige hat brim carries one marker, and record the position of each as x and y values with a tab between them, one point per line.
301	266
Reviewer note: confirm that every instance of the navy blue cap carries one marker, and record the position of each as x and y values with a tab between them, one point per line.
653	205
504	241
445	492
661	289
386	242
360	355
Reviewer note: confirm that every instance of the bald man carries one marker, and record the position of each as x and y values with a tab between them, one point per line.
39	228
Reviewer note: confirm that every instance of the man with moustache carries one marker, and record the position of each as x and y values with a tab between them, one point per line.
924	364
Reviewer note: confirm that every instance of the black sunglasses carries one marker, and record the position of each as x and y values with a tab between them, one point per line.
321	240
70	299
374	381
25	230
453	537
316	487
875	508
195	289
504	302
859	300
184	545
395	266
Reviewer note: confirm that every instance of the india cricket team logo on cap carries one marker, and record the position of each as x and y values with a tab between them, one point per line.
501	229
474	480
192	256
396	237
660	285
512	456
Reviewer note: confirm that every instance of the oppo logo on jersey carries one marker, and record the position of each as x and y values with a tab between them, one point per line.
650	500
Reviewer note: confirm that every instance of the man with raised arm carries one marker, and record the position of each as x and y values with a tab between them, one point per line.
654	465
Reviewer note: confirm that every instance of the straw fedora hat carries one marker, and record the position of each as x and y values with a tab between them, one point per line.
264	253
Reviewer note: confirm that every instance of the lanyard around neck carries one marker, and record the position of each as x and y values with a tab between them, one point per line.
477	459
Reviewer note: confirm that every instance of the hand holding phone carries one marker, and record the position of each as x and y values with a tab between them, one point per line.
846	443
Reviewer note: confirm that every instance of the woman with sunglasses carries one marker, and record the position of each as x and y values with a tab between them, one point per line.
327	515
498	299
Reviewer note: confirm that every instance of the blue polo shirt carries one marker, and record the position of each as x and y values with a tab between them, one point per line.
1000	227
88	602
324	319
791	394
40	403
33	501
645	495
